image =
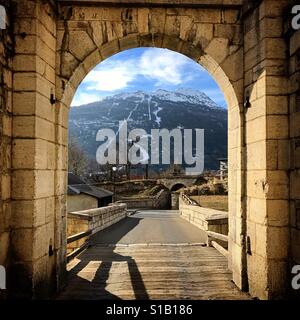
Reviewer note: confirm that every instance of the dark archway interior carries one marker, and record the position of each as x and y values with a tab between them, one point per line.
177	187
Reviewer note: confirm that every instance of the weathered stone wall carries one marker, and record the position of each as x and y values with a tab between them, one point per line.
53	56
141	203
127	187
162	200
94	220
6	55
81	202
247	55
37	190
204	218
294	122
265	210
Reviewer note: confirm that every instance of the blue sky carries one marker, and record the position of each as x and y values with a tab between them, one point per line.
146	69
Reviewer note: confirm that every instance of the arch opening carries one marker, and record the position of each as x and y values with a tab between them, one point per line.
177	187
231	89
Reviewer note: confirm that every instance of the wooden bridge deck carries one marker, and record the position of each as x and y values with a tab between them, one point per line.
181	271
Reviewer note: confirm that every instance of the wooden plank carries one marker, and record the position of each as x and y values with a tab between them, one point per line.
218	236
78	236
76	252
218	247
151	273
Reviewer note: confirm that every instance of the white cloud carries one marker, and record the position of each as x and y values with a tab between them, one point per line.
160	65
81	98
110	79
164	66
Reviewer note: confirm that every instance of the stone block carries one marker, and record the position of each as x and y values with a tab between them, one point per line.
44	129
231	66
294	124
294	42
218	48
5	186
257	211
157	20
278	279
277	242
277	185
272	9
277	105
251	58
68	63
185	27
295	244
91	61
295	184
78	75
257	128
257	109
270	27
143	20
87	45
257	276
62	135
46	16
23	184
23	154
278	213
109	49
96	14
231	16
44	183
22	244
284	157
229	31
45	52
205	15
129	42
28	213
277	127
4	247
273	48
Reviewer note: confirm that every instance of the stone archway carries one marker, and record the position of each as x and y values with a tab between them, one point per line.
215	42
240	43
177	186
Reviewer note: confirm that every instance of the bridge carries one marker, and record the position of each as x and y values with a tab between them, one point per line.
174	183
249	48
150	255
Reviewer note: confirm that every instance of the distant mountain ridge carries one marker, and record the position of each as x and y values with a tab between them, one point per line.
182	108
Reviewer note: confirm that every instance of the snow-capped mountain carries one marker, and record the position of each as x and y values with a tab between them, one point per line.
183	108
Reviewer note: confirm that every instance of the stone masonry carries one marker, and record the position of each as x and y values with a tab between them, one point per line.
249	49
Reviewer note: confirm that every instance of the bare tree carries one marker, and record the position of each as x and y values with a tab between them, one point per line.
78	160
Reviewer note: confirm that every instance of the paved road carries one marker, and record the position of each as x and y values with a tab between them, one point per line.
161	226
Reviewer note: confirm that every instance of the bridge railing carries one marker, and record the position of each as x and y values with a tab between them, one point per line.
211	242
188	200
83	224
75	238
213	222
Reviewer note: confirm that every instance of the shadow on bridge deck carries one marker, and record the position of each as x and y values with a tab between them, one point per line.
96	274
148	271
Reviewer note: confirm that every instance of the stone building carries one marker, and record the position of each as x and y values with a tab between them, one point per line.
253	53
